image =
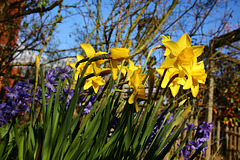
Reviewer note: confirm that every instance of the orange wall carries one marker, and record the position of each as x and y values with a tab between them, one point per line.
9	32
9	29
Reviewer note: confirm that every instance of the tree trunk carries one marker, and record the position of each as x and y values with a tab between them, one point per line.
210	106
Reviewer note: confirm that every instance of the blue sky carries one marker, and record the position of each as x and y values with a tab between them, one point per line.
67	25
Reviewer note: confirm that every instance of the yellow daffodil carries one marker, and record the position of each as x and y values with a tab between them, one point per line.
124	69
196	76
117	55
94	82
175	84
167	50
90	52
80	67
180	54
138	88
129	69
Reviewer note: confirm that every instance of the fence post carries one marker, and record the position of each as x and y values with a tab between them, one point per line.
230	144
227	141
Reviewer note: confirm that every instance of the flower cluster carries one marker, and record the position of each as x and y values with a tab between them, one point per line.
181	60
202	135
132	73
117	55
52	81
19	97
17	102
66	93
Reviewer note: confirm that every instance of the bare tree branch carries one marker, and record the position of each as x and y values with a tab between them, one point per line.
225	39
31	11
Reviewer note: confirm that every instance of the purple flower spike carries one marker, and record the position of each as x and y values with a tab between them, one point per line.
24	85
17	102
205	128
185	151
2	118
64	72
12	92
51	77
2	105
195	145
202	135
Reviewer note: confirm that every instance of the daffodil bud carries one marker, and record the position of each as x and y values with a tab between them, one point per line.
37	61
119	54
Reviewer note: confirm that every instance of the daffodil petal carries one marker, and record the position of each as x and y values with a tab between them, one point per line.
172	46
95	87
184	41
201	81
136	107
160	70
174	89
199	65
168	62
198	50
96	68
165	81
132	98
119	54
76	75
165	38
188	83
87	84
88	49
100	81
79	57
186	69
114	69
73	64
167	52
182	81
195	90
131	65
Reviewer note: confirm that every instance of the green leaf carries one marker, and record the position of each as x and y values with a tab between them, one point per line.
29	155
56	114
21	148
173	139
4	144
47	142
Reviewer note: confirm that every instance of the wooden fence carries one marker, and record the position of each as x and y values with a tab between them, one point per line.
225	142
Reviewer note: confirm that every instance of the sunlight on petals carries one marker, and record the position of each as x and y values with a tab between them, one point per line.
88	49
94	82
119	54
